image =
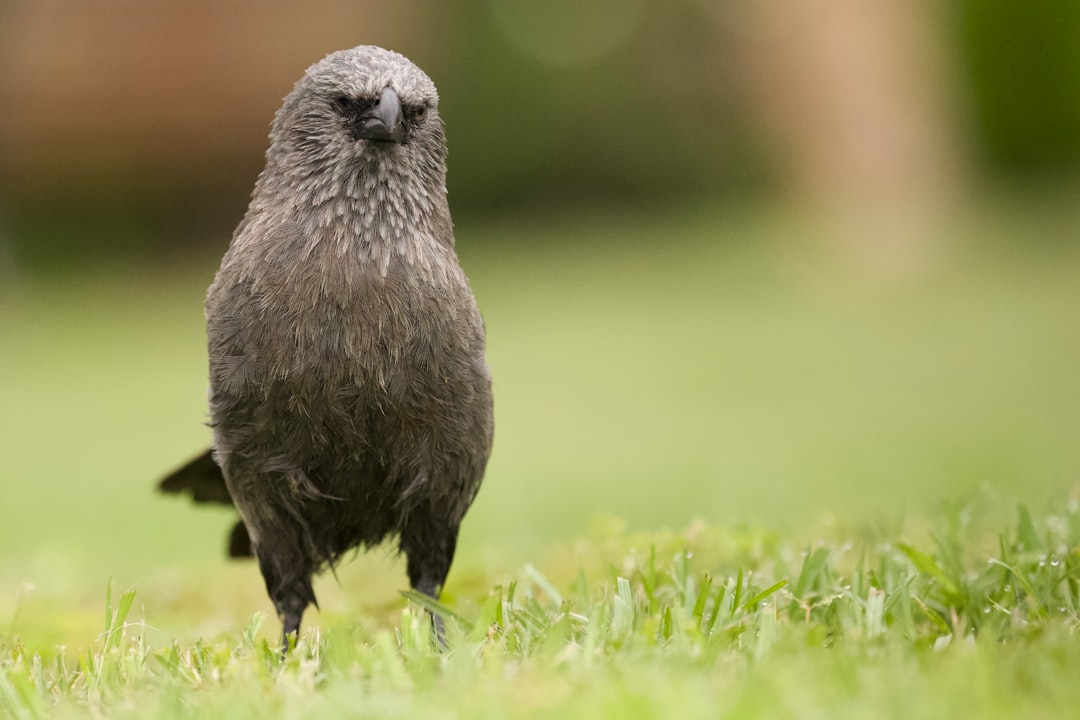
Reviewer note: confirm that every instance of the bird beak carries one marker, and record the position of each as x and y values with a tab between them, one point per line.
384	121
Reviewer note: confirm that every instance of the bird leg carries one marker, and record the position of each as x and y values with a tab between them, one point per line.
428	565
291	593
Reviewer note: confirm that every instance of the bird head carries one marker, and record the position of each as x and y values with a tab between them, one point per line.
358	106
357	159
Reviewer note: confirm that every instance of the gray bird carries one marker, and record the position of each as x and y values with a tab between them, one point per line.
349	396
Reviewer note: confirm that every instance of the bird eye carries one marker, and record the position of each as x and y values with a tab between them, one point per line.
418	114
352	107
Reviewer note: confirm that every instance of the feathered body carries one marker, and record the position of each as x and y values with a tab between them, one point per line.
349	396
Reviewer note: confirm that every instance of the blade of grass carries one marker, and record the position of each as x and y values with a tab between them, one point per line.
434	606
749	605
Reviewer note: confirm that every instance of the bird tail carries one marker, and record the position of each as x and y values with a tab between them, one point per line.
201	478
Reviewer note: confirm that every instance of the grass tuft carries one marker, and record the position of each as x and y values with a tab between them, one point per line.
873	615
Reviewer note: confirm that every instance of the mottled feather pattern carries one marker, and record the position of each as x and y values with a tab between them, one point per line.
350	399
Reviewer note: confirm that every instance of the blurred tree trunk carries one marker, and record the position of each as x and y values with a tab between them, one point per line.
853	94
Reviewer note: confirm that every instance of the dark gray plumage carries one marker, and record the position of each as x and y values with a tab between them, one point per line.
349	396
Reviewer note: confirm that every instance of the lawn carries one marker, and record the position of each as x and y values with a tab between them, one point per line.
746	465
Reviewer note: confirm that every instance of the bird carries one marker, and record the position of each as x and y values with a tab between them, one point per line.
350	398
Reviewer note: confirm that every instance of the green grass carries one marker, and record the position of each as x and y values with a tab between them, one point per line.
857	417
703	623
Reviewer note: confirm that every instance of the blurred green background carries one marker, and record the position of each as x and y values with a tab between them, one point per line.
745	262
